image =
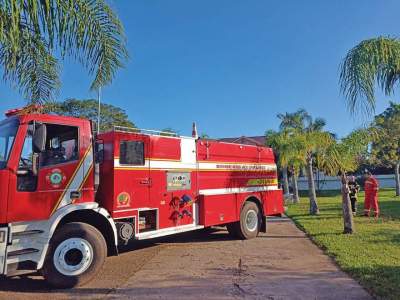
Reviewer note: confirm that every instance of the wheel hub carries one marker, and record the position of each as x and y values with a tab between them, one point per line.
251	220
73	256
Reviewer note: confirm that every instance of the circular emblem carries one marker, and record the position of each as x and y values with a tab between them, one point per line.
123	199
56	177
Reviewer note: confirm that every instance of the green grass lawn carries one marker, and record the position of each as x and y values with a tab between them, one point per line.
372	254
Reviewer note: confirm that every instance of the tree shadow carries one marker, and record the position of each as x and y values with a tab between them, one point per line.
381	281
34	282
386	236
390	209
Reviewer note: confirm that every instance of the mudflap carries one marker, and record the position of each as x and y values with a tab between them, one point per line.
264	225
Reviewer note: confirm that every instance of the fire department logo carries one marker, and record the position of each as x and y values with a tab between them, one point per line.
56	177
123	199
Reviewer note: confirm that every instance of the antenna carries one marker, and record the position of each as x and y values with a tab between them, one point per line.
98	109
194	131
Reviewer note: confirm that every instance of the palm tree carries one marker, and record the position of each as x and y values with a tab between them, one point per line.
296	162
372	61
33	32
301	125
340	158
297	120
279	142
311	145
290	156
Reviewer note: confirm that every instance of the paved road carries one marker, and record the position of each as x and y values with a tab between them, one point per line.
282	264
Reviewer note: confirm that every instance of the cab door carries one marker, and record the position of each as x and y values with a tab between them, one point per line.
59	175
132	174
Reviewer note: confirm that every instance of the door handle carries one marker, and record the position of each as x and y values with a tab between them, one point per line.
145	181
20	172
75	195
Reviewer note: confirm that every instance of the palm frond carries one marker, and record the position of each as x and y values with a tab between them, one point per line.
31	66
87	30
372	61
94	35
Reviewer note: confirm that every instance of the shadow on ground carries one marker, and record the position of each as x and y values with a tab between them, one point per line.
132	257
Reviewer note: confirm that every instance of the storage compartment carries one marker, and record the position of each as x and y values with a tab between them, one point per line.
148	220
218	209
274	203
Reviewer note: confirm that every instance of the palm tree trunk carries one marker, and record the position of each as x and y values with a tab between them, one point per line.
295	188
314	210
346	207
397	177
285	180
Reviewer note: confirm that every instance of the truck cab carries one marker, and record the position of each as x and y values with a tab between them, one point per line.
39	156
47	164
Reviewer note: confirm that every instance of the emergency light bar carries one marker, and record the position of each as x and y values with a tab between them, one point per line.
24	110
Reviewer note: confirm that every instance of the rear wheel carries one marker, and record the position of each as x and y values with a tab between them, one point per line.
76	253
249	224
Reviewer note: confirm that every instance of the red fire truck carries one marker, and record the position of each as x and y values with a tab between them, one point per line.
69	197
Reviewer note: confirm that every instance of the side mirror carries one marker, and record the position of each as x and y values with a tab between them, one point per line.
99	151
39	138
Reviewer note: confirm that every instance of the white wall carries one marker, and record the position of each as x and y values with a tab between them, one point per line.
333	183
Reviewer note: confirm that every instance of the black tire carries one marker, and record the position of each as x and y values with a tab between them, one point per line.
76	234
245	231
233	229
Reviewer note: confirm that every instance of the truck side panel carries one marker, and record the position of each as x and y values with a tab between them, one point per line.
154	188
218	209
229	174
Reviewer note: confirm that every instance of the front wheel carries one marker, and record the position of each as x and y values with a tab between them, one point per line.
76	253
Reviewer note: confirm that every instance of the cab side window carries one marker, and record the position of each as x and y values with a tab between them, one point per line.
131	153
26	181
61	145
26	161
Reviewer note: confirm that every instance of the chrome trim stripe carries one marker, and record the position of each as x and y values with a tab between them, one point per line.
237	190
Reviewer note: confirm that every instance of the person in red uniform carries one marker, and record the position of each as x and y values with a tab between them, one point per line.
371	187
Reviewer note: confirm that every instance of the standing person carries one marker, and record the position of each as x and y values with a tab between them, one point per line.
354	188
371	187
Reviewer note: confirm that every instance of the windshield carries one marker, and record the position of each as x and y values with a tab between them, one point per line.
8	130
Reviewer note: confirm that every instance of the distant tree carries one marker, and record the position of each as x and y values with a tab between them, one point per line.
385	148
301	120
169	132
372	61
35	35
110	115
297	120
204	136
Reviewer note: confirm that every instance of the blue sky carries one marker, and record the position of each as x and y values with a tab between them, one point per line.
232	66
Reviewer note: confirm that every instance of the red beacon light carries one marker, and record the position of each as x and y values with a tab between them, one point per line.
12	112
33	108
